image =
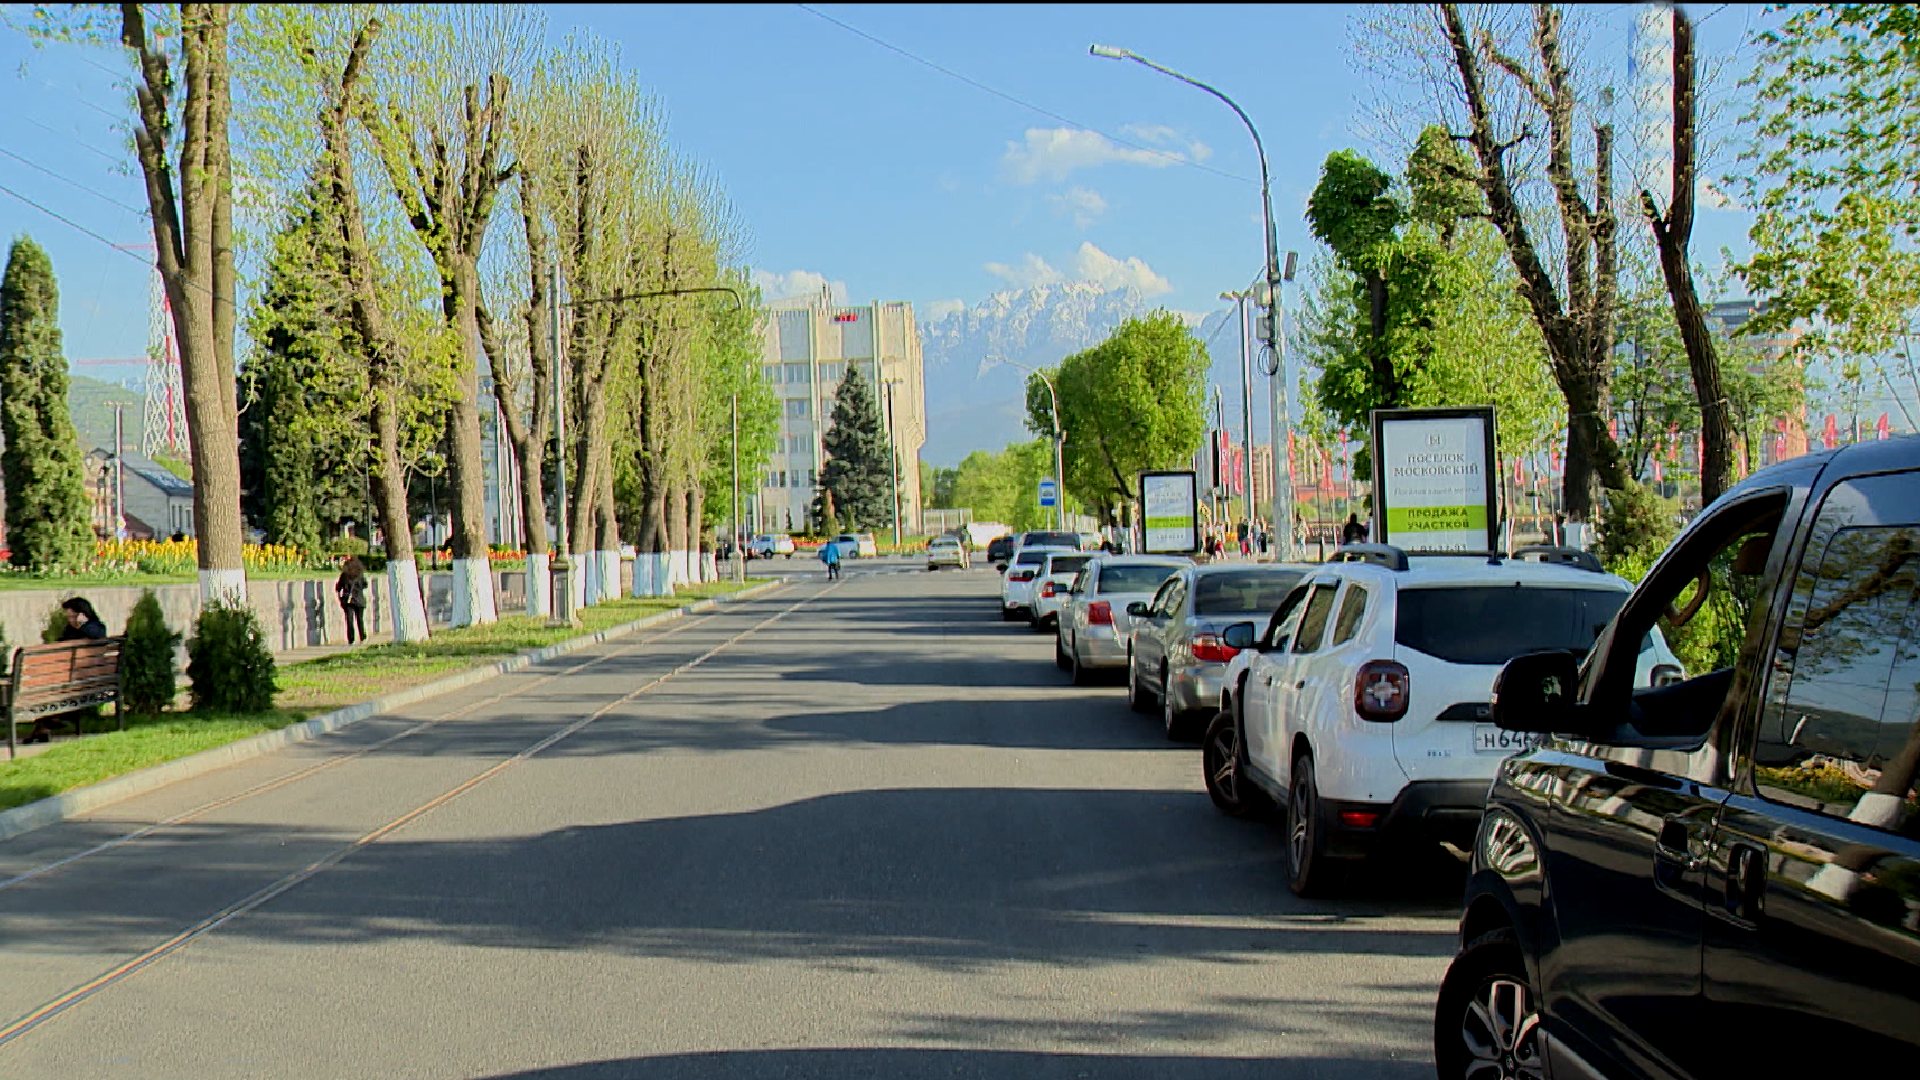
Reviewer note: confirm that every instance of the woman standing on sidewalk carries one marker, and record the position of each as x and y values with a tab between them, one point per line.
352	591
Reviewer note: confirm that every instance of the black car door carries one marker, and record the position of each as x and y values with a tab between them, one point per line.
1813	939
1630	816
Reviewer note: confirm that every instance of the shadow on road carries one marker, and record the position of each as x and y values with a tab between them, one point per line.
928	1064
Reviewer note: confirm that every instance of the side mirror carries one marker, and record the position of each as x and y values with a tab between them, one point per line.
1137	609
1240	635
999	568
1535	692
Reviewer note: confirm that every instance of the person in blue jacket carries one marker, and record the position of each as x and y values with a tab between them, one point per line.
830	554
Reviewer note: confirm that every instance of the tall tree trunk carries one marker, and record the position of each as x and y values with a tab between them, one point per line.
697	530
526	436
1673	234
607	521
193	252
473	593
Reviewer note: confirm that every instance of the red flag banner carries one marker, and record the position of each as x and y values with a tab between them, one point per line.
1883	429
1830	435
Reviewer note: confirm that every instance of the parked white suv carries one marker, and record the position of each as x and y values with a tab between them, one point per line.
1363	707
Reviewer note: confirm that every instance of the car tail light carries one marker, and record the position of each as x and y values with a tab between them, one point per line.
1210	648
1380	691
1099	613
1049	590
1358	819
1020	575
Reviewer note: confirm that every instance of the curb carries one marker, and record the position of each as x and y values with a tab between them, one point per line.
68	804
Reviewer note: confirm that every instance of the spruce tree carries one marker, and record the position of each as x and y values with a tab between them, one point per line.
47	509
859	465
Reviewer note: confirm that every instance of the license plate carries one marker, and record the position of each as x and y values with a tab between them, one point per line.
1490	739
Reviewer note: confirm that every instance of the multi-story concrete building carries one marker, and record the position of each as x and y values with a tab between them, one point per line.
806	346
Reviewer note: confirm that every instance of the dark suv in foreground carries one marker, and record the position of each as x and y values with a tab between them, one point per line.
1720	877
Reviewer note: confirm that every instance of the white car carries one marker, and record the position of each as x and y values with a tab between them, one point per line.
857	546
1051	587
1017	587
946	551
1361	708
767	545
1094	624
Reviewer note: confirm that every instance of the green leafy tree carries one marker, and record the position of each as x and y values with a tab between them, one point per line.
1136	401
146	660
859	467
45	489
1832	177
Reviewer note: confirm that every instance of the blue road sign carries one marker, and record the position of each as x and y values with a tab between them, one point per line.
1049	493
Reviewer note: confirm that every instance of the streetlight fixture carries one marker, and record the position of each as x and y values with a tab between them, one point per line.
1246	390
562	566
1273	335
1059	442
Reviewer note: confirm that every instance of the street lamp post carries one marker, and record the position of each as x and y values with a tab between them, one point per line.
893	459
1246	393
1059	444
1282	488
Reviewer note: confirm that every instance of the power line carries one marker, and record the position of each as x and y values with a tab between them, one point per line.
66	180
57	216
1179	159
81	143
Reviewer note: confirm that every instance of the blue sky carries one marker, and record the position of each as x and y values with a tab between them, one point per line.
854	164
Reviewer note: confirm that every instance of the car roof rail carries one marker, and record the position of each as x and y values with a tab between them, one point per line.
1378	554
1562	556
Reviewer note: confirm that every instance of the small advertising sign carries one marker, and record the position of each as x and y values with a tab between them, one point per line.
1433	479
1049	493
1169	512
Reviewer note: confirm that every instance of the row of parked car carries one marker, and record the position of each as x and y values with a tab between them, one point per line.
1672	874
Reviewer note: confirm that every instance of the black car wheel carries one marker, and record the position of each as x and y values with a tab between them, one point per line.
1309	871
1176	721
1487	1023
1060	655
1220	763
1082	674
1137	697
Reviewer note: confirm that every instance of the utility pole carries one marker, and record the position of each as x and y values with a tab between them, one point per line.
739	565
563	614
119	472
893	459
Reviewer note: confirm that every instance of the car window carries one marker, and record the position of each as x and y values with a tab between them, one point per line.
1841	731
1353	606
1134	579
1285	618
1158	605
1239	591
1176	597
1493	624
1051	539
1031	558
1067	564
1313	624
1079	585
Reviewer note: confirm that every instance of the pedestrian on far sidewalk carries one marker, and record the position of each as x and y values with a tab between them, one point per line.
351	589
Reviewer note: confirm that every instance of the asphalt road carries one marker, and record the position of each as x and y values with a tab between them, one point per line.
861	830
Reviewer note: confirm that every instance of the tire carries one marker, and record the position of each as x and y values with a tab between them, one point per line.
1082	674
1006	614
1222	767
1060	655
1137	698
1488	1017
1178	723
1038	626
1310	872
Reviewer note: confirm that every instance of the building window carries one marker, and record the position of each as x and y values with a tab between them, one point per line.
770	372
798	407
797	374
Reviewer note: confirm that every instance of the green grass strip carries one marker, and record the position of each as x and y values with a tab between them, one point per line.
310	688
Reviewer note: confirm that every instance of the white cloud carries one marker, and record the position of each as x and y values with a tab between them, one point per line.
1032	271
1056	153
1085	204
1162	135
1102	269
796	284
1089	264
940	309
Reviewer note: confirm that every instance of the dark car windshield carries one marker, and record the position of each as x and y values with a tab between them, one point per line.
1032	558
1134	579
1051	539
1067	564
1238	591
1494	625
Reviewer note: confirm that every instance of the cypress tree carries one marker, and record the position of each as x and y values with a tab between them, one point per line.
47	510
859	467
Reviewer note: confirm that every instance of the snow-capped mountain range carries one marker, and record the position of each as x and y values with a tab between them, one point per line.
974	402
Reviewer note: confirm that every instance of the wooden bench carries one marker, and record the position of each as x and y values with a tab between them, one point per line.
63	676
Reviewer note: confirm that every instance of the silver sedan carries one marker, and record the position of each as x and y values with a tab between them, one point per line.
1093	624
1175	658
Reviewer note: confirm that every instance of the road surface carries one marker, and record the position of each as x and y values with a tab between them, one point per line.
852	830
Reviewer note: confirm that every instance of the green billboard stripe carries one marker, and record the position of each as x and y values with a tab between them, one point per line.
1423	519
1169	523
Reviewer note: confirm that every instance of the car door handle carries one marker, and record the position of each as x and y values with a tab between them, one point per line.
1673	845
1746	882
1300	684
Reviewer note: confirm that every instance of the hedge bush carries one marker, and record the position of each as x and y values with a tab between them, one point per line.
56	624
229	662
149	680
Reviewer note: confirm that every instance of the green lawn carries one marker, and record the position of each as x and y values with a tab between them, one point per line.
308	689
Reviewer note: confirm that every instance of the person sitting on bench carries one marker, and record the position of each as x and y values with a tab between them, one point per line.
83	624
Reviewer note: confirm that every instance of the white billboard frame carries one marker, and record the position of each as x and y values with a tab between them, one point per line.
1436	467
1171	497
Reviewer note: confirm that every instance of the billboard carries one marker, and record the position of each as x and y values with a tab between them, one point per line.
1433	479
1169	512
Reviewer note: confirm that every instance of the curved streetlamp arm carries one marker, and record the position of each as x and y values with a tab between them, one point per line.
738	303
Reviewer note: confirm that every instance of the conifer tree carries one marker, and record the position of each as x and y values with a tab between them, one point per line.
47	511
858	471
